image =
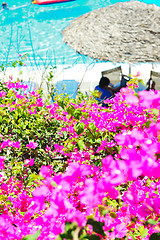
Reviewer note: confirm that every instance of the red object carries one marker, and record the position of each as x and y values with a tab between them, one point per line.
43	2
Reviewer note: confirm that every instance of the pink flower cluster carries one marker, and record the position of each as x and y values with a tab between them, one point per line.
32	145
9	143
2	93
16	85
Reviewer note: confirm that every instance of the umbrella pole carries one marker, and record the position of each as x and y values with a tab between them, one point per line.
129	69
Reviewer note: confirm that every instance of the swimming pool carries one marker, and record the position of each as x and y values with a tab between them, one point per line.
36	30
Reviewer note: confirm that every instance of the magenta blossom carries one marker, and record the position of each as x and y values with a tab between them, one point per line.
2	159
2	94
29	162
16	144
32	145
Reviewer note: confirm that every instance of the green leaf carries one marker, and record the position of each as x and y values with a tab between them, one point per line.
69	226
85	115
113	215
143	231
70	146
147	124
54	184
20	63
81	144
34	236
152	222
6	130
98	141
69	229
97	226
79	127
14	64
132	235
92	126
71	109
78	114
155	112
92	157
61	103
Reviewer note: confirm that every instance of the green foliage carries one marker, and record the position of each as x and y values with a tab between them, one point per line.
72	231
33	237
69	231
24	127
92	237
143	231
79	127
97	226
152	222
155	236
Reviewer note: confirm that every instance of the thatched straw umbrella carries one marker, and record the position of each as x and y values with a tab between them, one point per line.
123	32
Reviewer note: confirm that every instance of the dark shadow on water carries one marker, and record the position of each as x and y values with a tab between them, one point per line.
12	16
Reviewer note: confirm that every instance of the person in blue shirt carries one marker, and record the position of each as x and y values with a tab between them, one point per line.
105	89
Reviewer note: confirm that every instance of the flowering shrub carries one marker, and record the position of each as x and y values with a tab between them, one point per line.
75	170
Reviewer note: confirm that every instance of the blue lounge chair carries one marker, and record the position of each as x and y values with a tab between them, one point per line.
69	87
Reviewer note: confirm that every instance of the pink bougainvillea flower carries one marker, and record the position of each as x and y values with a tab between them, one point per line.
131	99
5	143
41	191
150	99
16	144
24	87
32	145
2	159
39	102
34	93
150	206
2	93
48	149
49	106
46	171
138	74
29	162
119	231
30	112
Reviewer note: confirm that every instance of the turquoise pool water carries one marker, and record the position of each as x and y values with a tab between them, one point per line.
36	30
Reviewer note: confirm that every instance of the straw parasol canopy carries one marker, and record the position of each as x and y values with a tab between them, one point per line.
123	32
